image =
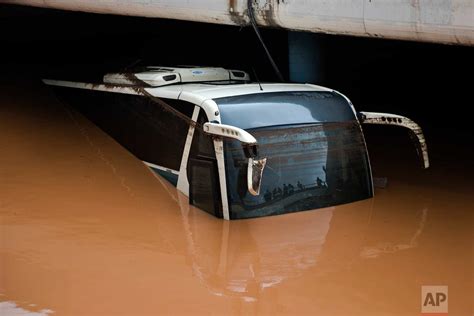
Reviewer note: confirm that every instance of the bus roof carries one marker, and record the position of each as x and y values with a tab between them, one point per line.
214	91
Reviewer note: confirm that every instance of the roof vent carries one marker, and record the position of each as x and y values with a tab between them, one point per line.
155	76
238	74
169	77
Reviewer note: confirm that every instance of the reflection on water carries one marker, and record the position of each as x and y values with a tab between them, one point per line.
74	240
287	250
11	309
270	258
387	247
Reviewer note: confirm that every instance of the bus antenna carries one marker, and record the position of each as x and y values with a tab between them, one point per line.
256	78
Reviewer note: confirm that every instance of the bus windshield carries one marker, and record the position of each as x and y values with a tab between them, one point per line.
309	166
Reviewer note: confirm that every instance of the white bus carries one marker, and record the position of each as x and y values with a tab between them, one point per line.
238	149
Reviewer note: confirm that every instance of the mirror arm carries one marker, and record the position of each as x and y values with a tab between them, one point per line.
229	131
416	133
250	147
249	143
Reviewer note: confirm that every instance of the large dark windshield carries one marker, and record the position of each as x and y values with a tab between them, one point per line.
308	166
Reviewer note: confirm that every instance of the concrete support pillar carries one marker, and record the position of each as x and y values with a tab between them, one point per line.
306	64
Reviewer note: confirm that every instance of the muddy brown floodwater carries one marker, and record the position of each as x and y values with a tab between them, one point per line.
87	229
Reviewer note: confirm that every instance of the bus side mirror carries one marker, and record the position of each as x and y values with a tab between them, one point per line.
416	133
249	146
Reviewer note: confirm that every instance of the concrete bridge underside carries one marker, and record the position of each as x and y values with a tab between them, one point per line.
439	21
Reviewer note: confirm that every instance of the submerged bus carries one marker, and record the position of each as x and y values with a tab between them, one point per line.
238	149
